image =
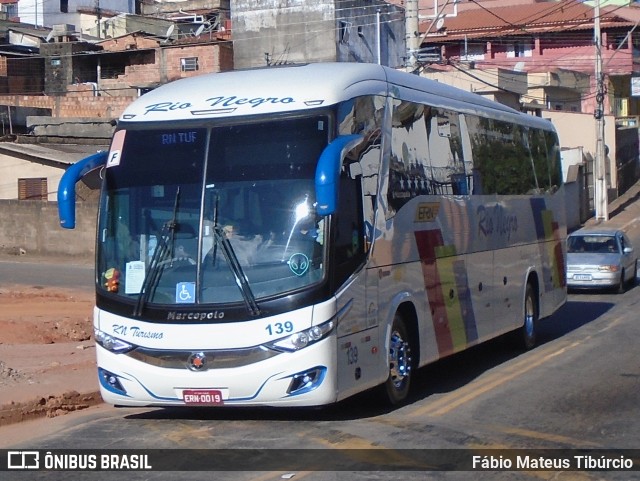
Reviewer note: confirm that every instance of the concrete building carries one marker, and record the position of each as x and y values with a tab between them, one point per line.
276	32
47	13
33	171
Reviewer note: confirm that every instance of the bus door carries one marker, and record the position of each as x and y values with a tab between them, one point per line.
358	349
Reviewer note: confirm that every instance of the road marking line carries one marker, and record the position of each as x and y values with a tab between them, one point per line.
467	393
269	476
475	389
530	434
355	448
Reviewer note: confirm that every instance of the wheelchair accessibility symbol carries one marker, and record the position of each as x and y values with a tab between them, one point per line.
185	293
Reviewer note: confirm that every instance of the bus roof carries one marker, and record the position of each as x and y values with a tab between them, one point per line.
301	87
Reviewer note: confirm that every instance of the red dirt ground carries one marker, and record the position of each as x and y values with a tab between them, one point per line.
47	355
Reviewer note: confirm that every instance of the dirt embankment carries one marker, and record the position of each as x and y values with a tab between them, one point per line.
47	355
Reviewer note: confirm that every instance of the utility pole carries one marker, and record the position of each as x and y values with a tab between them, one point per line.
600	178
412	35
99	17
378	39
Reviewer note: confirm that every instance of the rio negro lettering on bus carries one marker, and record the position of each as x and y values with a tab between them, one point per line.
166	107
221	101
495	221
233	101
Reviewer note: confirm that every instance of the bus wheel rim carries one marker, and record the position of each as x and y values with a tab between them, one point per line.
400	359
528	318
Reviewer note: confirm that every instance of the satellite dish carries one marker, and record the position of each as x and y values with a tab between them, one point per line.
49	36
199	31
170	30
519	67
440	24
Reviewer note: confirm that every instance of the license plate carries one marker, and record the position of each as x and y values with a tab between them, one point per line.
202	397
582	277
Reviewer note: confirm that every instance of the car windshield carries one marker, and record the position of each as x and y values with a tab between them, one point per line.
600	244
221	215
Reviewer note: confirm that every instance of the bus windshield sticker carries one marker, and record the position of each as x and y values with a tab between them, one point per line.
134	277
114	158
186	293
116	148
299	264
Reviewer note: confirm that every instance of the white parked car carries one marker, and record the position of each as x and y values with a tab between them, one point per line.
598	258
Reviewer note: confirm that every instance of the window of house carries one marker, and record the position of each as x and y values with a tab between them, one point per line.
189	64
521	48
472	52
11	9
32	189
64	6
621	42
345	27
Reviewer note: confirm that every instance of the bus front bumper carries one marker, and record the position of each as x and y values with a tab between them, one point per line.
302	378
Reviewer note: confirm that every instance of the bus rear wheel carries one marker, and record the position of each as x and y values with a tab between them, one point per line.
400	362
528	329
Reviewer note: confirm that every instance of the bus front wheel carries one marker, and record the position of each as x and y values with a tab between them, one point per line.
400	362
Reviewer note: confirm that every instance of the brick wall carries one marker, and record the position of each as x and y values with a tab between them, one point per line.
212	58
116	94
207	55
80	104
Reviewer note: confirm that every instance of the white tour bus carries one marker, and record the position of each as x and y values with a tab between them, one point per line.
292	236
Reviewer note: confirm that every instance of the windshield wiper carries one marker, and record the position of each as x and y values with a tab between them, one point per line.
240	277
163	247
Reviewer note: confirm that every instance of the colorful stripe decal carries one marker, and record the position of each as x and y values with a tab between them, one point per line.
448	294
466	306
547	229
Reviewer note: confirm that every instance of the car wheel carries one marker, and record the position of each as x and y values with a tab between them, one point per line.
622	284
400	362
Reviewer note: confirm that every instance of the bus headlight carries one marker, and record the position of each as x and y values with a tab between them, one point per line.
111	343
302	339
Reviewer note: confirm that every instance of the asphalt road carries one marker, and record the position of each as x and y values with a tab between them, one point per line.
47	273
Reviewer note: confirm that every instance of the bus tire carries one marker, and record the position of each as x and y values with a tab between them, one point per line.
400	362
528	329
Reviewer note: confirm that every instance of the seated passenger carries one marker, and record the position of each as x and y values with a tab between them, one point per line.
244	246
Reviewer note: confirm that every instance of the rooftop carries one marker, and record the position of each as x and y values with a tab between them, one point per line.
526	19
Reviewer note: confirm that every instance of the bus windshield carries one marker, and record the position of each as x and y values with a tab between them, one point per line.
212	215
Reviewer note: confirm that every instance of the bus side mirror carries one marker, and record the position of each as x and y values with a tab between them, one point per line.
328	172
67	187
